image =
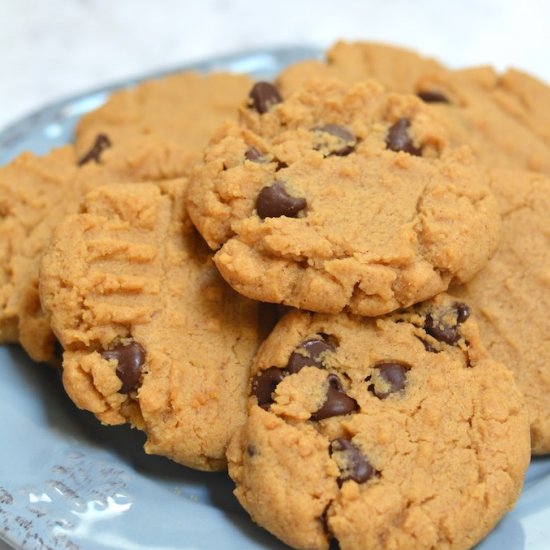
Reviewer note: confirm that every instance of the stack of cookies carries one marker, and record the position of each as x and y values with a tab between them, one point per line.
334	285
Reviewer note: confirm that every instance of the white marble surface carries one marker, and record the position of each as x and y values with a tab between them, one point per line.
54	48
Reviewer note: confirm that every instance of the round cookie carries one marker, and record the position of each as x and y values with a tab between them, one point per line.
36	193
341	197
397	432
511	295
504	118
181	110
151	334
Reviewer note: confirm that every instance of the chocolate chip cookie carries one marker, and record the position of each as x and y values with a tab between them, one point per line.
181	111
503	117
395	432
341	197
511	295
36	193
151	334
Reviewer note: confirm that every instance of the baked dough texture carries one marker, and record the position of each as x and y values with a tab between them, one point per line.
511	295
151	132
396	432
181	110
151	334
503	117
383	223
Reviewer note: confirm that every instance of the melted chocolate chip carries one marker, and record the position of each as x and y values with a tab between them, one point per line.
280	165
313	348
398	138
264	384
251	450
440	328
273	202
252	154
347	139
462	312
337	402
431	96
263	96
101	143
130	359
393	376
352	463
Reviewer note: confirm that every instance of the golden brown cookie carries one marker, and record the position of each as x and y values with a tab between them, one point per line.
511	296
152	335
398	69
182	111
504	118
341	197
36	193
397	432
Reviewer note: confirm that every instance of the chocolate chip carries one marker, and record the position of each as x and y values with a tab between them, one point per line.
393	377
351	461
264	384
101	143
428	346
337	402
280	165
251	450
398	138
347	139
273	202
462	312
440	328
130	358
263	96
314	348
431	96
252	154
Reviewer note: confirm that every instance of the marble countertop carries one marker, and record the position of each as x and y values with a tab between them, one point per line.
61	47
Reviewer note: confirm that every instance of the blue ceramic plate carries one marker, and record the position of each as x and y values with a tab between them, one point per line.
68	483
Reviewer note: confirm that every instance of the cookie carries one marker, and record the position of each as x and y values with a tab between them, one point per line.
341	197
151	334
394	432
398	69
36	193
503	118
181	111
511	295
500	125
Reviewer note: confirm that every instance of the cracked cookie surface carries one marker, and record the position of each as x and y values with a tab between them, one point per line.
342	197
151	333
395	432
511	295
